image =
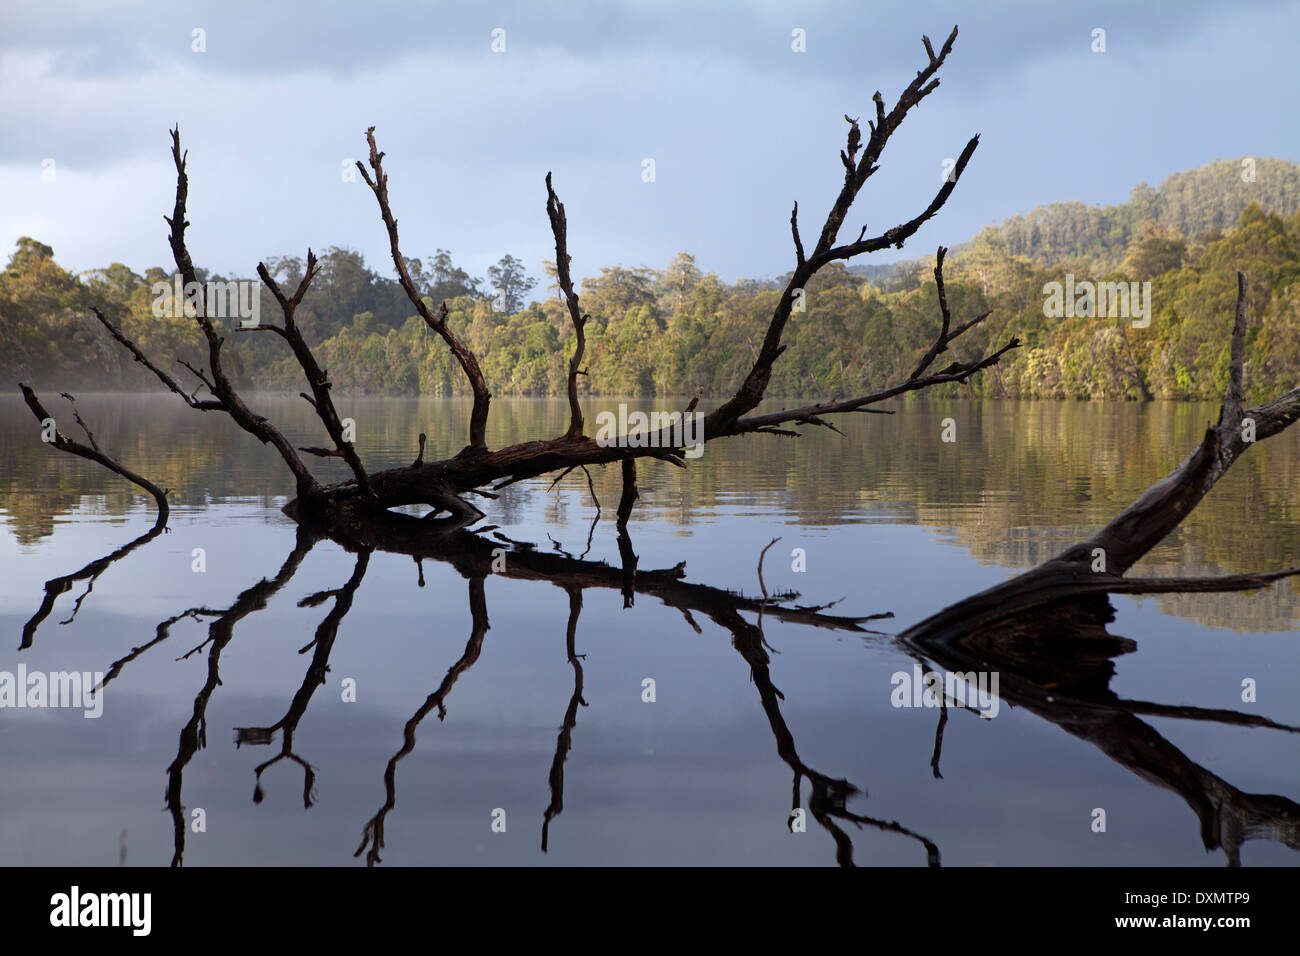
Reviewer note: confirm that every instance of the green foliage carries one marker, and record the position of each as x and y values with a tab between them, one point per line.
676	330
510	283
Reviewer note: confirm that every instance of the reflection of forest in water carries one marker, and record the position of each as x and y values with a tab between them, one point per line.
1022	480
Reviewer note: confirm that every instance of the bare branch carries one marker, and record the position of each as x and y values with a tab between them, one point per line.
468	361
945	336
901	233
794	228
630	493
560	476
257	425
197	374
163	377
953	373
560	229
857	171
65	444
90	436
317	380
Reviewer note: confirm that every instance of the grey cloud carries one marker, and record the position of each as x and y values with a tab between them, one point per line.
738	125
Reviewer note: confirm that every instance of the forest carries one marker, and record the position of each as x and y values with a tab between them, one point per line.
679	330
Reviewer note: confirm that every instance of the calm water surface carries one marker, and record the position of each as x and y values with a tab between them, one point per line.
214	675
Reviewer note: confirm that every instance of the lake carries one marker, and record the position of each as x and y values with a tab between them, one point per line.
431	718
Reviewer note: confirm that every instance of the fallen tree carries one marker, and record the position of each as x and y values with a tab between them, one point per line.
1043	632
1098	565
479	470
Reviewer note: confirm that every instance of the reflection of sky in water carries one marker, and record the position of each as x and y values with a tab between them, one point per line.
692	778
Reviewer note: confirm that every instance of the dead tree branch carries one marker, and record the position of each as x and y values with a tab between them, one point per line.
630	493
945	336
468	361
317	380
1096	566
65	444
171	383
223	390
856	172
442	484
560	229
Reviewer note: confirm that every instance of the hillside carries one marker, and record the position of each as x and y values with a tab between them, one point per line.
1192	204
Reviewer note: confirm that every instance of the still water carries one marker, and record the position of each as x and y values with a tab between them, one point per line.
276	701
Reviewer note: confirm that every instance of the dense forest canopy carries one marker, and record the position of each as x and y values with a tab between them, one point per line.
677	330
1188	205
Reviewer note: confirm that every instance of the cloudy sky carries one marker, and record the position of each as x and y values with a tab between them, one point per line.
737	122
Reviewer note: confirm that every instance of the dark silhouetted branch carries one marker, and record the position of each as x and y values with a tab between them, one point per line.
1096	566
317	380
65	444
560	229
468	362
224	391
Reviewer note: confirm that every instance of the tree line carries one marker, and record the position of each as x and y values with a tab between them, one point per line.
679	330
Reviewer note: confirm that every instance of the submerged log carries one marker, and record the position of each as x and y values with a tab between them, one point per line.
1097	566
1044	632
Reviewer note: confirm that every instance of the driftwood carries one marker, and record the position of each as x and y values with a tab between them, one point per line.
444	484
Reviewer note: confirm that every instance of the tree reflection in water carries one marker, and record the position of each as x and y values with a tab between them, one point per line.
1064	680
